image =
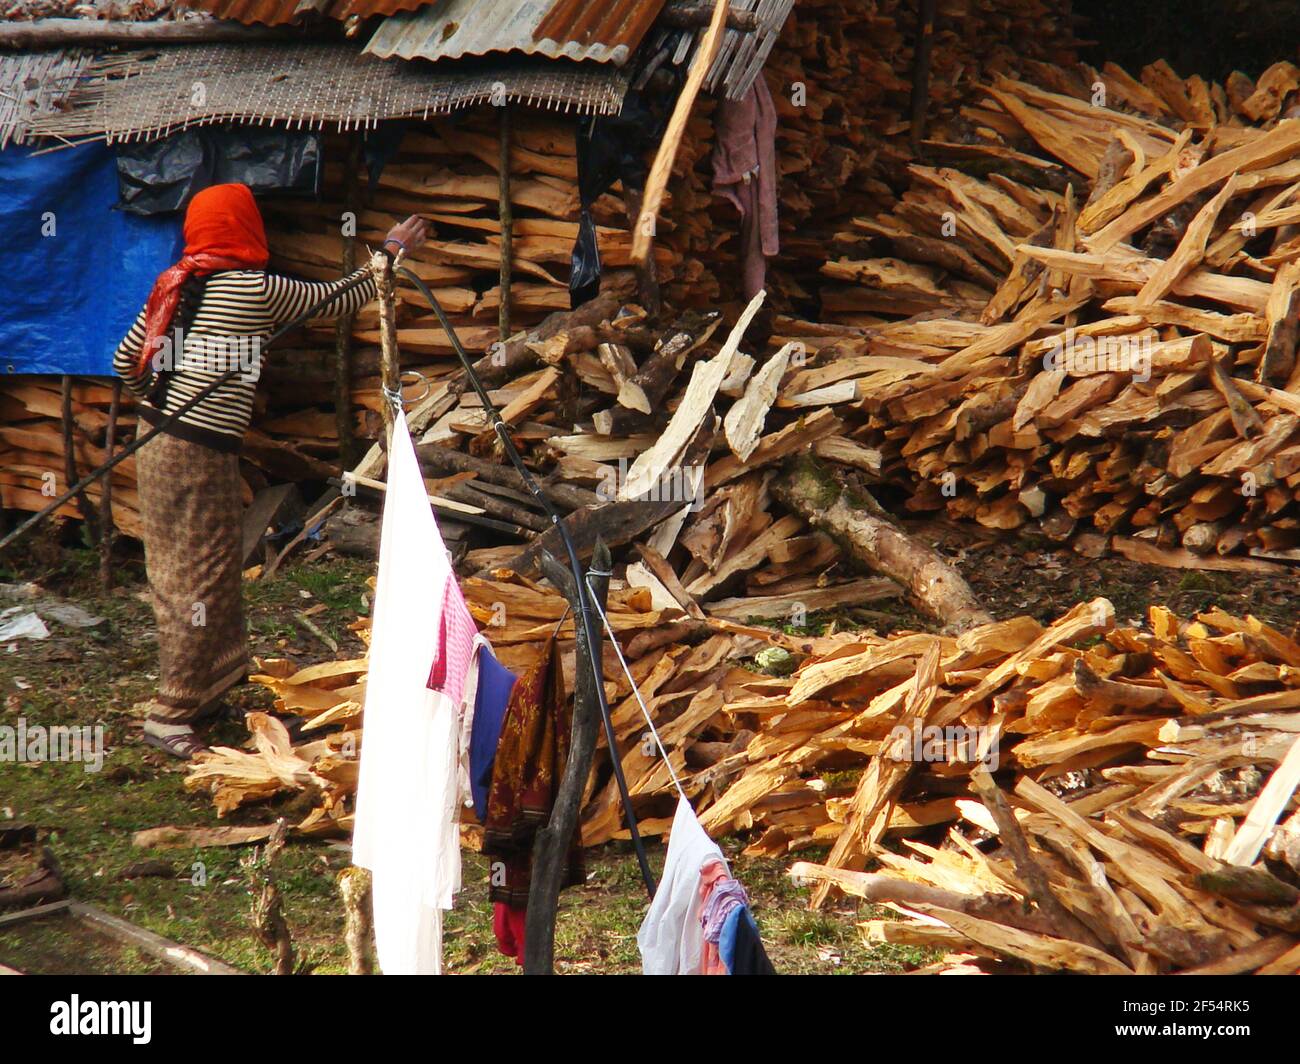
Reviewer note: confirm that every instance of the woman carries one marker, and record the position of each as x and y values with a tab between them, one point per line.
208	314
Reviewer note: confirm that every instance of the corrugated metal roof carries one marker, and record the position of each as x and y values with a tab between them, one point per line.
605	32
284	12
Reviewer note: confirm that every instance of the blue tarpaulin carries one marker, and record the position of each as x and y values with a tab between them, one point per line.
76	271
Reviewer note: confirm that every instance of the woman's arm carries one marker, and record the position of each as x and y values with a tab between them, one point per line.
287	298
126	356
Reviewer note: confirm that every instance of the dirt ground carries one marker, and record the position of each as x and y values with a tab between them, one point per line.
200	896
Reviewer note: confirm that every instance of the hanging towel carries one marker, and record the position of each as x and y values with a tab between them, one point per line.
406	829
530	759
744	171
495	682
454	651
671	939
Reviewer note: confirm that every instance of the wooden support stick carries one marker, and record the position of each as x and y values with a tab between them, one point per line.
506	217
70	460
354	889
927	9
389	361
107	527
657	182
343	330
551	847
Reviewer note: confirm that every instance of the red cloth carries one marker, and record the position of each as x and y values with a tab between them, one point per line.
223	231
508	926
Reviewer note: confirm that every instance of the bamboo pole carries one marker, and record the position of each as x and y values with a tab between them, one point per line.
505	214
70	461
343	330
107	527
657	183
389	360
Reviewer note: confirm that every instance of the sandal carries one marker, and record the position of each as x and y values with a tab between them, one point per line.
182	745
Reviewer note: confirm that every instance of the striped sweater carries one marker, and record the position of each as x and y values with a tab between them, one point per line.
239	310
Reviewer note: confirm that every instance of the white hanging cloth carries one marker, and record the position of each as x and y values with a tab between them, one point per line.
671	939
406	827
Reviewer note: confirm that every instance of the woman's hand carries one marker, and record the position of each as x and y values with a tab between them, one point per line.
408	235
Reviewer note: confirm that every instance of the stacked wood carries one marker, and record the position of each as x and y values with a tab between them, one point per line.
1120	352
1142	769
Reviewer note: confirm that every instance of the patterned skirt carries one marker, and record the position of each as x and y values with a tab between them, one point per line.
190	507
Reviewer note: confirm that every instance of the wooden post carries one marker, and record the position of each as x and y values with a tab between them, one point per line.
506	216
551	847
925	15
343	331
354	889
390	371
70	461
107	527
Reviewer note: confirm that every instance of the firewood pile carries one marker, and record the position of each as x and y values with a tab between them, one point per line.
1133	368
1141	769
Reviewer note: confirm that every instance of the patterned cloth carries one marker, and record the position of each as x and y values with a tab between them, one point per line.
190	506
725	895
530	760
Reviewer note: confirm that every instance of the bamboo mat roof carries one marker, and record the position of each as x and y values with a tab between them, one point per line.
34	85
150	93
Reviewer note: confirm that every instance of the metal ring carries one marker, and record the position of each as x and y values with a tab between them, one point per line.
399	400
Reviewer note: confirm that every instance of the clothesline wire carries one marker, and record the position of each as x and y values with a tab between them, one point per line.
645	712
590	632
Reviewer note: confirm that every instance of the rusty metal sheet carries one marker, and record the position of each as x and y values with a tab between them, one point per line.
605	32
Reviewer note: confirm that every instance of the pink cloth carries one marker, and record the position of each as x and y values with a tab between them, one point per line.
454	650
711	875
744	171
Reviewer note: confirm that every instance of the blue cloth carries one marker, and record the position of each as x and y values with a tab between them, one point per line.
495	682
78	271
727	940
741	947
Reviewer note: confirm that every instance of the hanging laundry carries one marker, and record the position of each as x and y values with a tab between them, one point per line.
731	939
406	826
508	926
712	877
495	682
744	171
671	939
454	652
740	946
530	759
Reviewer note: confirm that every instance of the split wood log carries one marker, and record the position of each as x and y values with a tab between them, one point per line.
439	461
616	523
855	521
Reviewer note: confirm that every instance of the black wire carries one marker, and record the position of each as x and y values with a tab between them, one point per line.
593	638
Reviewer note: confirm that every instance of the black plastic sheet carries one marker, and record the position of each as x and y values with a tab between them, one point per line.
160	176
612	148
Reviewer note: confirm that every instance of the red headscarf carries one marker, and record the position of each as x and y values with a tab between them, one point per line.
223	231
